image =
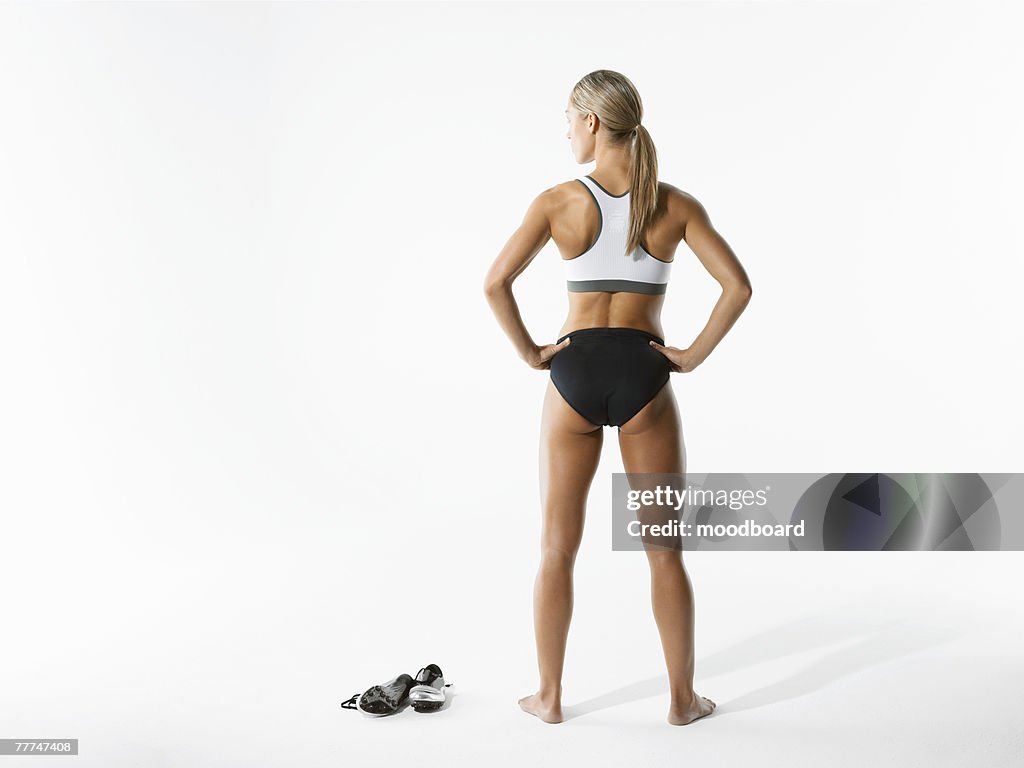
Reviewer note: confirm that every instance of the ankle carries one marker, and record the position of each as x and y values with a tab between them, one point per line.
549	693
683	698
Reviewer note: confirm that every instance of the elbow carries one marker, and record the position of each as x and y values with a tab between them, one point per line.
743	290
494	287
737	293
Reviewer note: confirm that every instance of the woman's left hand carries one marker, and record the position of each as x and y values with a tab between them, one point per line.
540	357
681	360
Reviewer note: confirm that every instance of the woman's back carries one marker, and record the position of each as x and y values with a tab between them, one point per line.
588	225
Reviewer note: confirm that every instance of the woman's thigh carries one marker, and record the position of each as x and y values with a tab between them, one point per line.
652	441
570	450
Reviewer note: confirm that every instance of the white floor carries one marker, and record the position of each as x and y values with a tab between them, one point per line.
240	656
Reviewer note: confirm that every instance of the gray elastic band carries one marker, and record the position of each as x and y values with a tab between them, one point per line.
629	286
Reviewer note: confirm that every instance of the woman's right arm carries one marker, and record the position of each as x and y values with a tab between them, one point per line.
524	244
721	263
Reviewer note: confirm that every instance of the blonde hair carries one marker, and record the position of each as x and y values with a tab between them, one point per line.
616	102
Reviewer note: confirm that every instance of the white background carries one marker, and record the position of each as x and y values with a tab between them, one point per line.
263	444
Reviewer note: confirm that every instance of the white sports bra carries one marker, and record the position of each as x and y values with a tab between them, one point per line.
605	266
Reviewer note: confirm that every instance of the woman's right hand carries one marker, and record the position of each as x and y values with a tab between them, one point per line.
680	360
540	357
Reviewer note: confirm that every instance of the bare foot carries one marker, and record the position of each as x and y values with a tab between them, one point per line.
548	709
687	712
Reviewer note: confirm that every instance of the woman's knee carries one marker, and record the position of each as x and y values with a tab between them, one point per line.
663	560
560	555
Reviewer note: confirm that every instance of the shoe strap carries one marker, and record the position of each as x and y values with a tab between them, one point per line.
417	682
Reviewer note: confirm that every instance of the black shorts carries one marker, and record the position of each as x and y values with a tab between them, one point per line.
608	374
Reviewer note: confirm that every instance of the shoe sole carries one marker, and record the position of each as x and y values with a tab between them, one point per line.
427	706
426	698
376	701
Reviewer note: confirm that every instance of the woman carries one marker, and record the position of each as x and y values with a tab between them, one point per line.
617	230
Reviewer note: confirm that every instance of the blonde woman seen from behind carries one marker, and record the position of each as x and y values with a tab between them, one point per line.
617	230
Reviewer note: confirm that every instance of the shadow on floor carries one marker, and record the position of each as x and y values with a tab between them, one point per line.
880	642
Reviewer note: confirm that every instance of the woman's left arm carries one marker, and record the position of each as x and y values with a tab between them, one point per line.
524	244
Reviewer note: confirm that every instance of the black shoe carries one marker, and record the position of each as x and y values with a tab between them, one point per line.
383	699
427	693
